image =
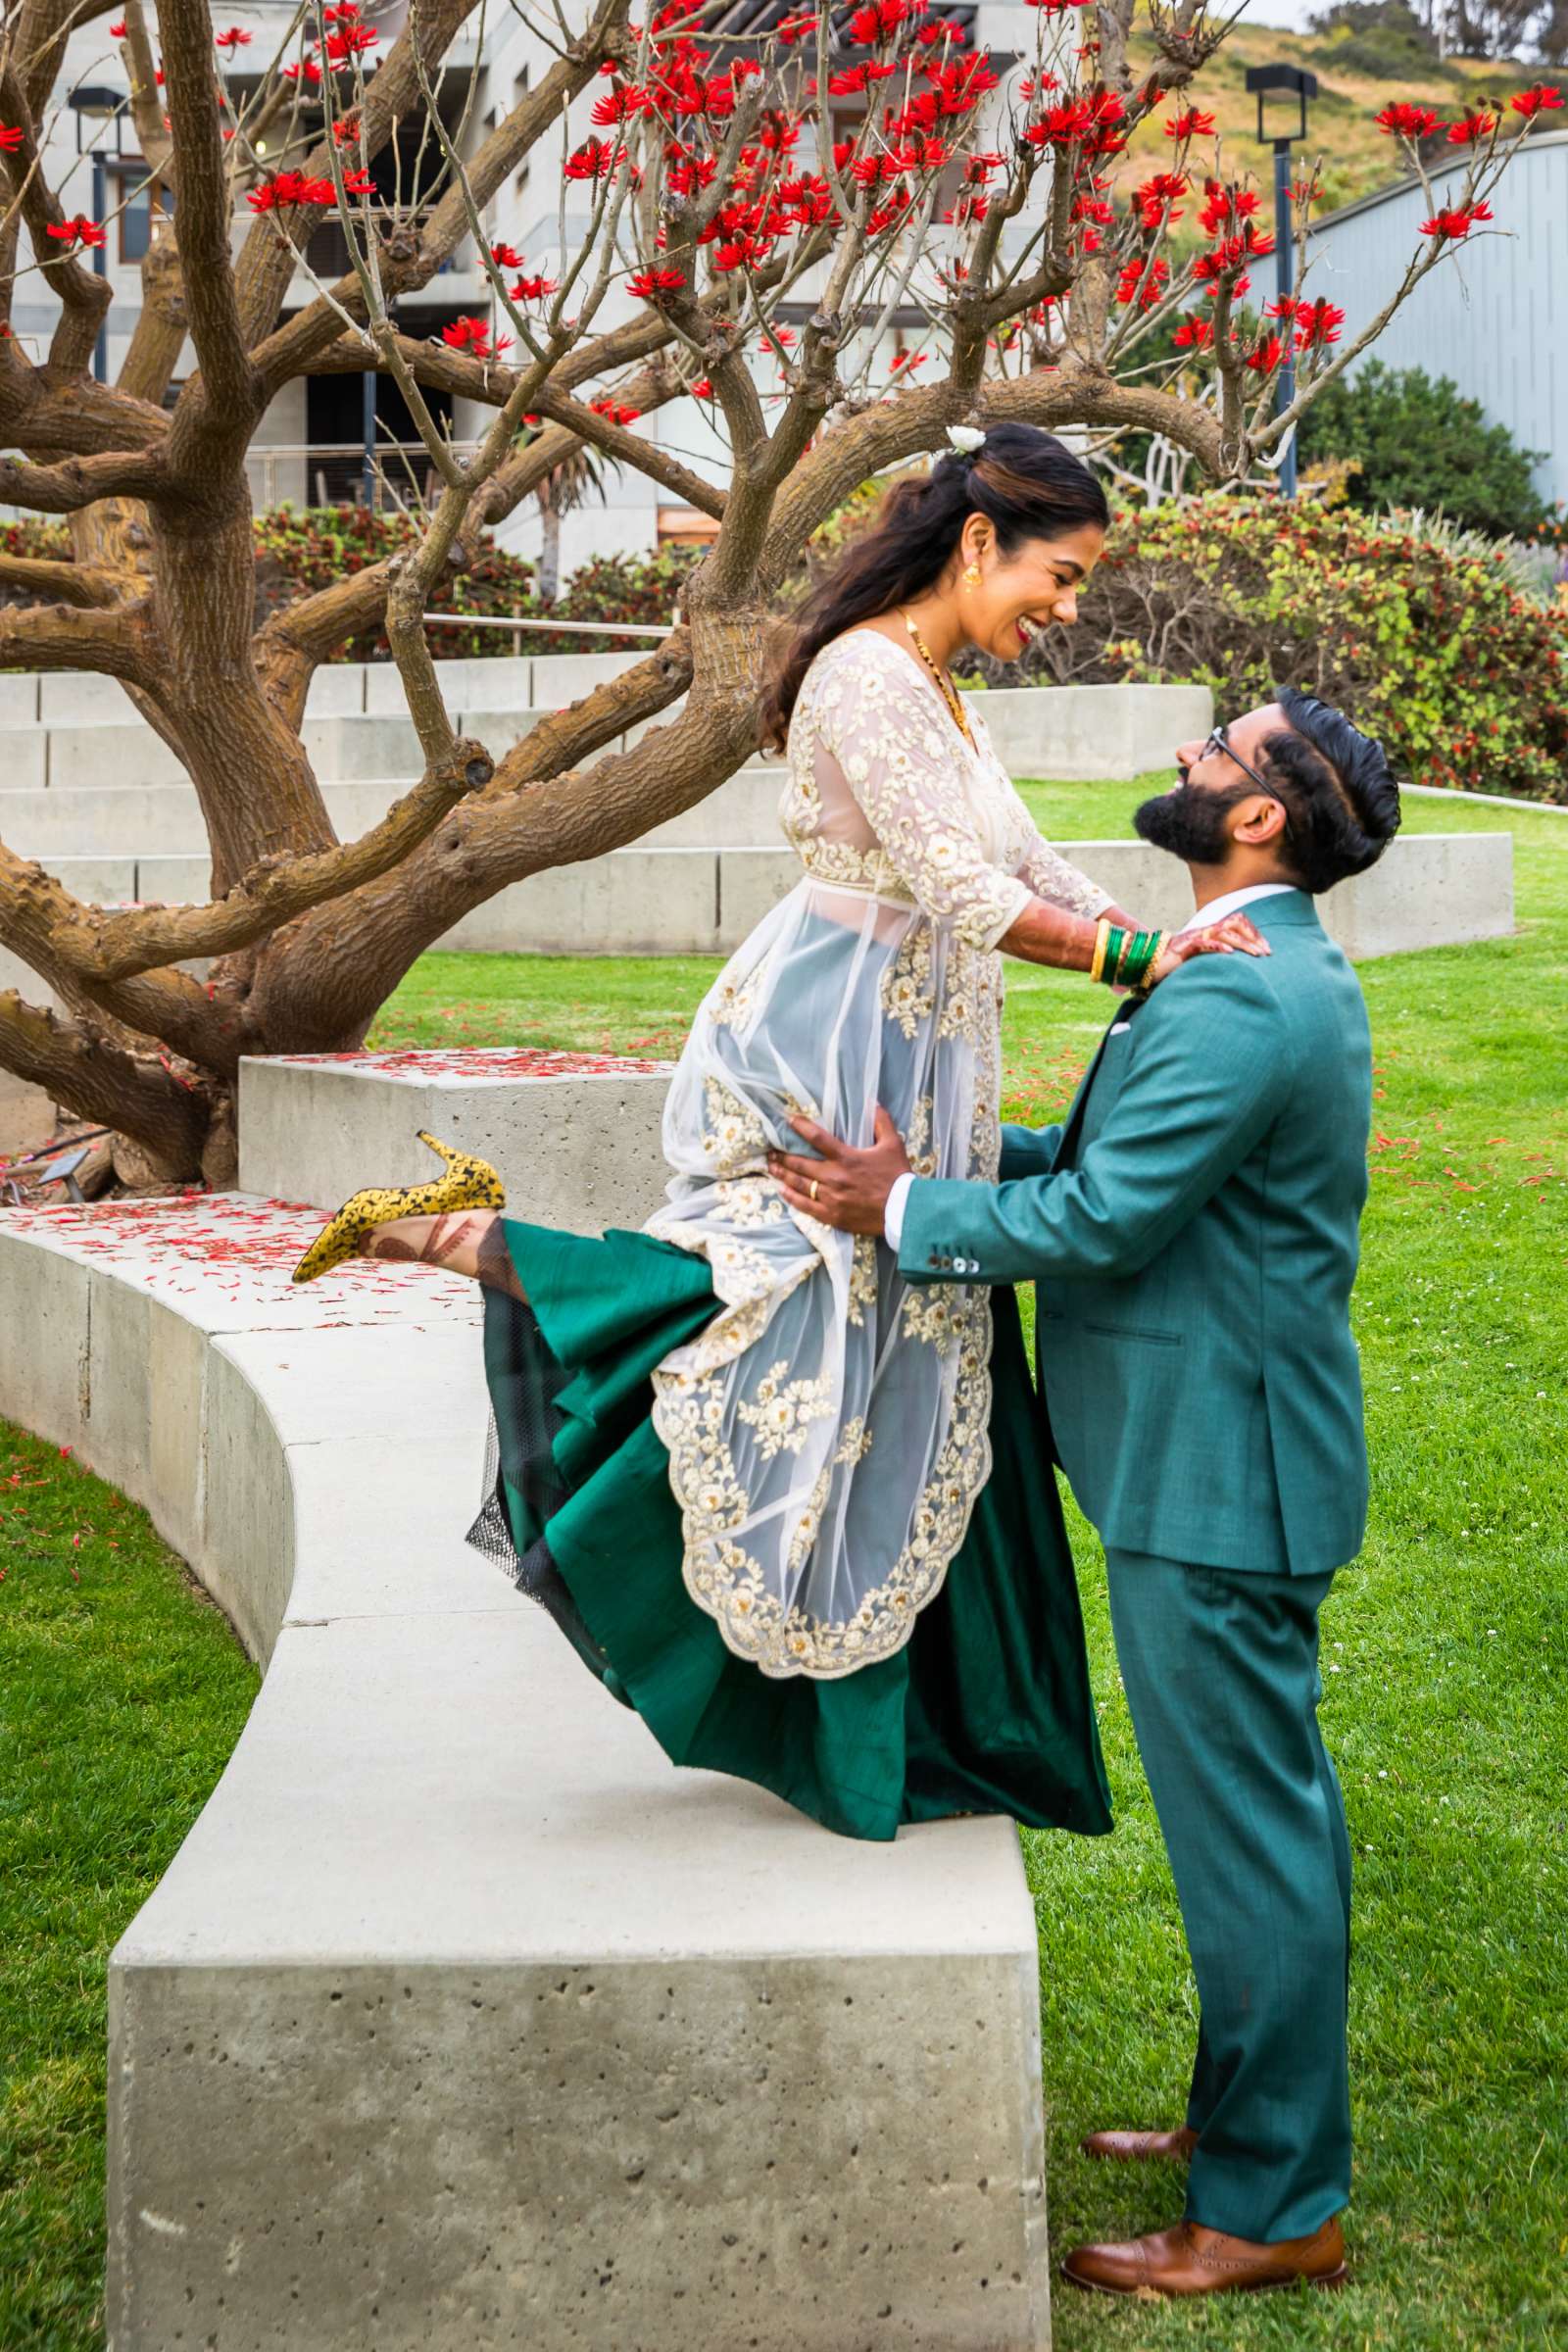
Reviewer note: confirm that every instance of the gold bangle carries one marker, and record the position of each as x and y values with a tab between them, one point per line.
1102	942
1146	984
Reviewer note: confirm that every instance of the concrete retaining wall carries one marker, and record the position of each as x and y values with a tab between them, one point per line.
461	2020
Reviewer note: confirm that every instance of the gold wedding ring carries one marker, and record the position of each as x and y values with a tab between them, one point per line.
815	1187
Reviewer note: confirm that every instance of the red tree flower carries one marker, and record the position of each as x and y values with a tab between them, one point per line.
1479	125
1542	99
652	285
1456	222
1192	125
473	336
1317	323
595	158
11	138
236	37
1406	120
79	231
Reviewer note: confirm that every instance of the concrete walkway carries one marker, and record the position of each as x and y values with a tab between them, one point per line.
462	2017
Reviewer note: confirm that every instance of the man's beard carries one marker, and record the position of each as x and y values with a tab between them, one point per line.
1189	824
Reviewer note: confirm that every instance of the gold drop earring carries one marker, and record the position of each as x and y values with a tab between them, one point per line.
971	578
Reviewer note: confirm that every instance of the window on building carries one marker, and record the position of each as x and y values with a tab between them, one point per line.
141	207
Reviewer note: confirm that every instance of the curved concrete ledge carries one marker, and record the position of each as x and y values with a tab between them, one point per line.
461	2019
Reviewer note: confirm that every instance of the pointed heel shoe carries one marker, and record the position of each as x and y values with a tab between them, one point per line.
469	1183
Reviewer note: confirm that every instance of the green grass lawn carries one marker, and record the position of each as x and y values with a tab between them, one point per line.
121	1692
1445	1671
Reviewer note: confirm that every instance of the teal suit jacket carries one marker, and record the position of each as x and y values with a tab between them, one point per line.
1192	1230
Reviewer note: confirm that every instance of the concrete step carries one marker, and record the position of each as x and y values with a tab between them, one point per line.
1428	890
1068	731
160	820
82	698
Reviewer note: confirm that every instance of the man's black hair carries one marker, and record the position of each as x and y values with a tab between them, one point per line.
1338	790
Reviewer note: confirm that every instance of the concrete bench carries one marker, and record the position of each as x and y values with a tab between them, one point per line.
461	2019
578	1146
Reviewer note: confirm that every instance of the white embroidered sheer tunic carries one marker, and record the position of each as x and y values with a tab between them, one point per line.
827	1431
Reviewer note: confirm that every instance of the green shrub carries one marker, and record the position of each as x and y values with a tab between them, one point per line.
1425	642
1417	441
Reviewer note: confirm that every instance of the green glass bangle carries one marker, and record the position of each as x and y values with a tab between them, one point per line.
1139	956
1129	958
1115	942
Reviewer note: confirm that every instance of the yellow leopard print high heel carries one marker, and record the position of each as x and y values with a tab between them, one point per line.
469	1183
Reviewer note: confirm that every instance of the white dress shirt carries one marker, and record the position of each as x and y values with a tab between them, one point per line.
1214	911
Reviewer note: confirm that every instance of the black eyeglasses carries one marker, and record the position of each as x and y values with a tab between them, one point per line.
1218	741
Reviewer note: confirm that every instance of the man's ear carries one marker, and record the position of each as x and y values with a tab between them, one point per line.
1259	823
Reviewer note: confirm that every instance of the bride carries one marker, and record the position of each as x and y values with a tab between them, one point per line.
797	1513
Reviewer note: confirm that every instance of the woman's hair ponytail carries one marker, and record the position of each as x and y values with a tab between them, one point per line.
1028	484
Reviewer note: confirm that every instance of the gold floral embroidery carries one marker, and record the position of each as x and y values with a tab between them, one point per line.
907	992
747	1202
733	1136
865	1280
917	1138
729	1006
929	1315
856	1443
782	1415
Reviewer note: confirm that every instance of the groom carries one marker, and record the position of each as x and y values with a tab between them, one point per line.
1193	1228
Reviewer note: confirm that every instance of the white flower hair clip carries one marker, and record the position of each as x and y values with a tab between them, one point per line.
965	439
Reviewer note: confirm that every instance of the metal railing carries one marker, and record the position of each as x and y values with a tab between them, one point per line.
330	473
573	628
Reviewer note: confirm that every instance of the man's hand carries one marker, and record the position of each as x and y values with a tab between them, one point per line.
845	1188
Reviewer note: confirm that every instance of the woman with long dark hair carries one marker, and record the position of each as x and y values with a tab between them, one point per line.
794	1511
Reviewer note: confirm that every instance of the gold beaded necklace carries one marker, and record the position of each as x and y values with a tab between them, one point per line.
947	693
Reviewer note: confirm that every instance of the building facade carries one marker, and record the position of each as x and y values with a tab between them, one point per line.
1493	316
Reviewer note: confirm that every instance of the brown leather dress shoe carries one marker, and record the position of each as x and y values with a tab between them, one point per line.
1190	2260
1141	2147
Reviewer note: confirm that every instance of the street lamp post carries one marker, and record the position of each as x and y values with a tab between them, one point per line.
92	103
1292	86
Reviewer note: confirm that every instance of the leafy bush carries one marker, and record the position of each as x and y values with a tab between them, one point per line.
1425	642
1417	441
301	550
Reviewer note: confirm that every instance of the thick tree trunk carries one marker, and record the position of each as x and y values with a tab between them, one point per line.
228	734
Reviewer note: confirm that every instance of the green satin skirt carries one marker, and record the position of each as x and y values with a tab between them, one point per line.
986	1709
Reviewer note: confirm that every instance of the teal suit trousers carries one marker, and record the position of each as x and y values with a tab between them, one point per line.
1221	1674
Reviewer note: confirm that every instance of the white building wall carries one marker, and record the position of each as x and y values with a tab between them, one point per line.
1493	316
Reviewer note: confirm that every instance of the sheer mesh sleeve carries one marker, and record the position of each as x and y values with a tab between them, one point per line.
1051	877
908	782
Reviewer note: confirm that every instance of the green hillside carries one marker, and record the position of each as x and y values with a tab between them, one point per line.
1356	157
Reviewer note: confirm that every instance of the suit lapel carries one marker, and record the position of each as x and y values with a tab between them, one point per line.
1075	1116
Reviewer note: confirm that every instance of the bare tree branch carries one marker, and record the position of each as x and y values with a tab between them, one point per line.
72	583
99	1079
